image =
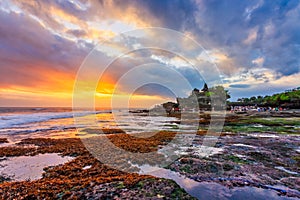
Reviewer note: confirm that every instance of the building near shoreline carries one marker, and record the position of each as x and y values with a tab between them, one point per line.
205	99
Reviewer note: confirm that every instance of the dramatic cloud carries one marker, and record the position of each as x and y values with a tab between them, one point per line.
239	86
255	44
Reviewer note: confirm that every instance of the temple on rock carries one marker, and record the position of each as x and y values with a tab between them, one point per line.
205	99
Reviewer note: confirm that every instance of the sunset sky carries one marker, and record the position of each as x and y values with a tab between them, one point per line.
255	44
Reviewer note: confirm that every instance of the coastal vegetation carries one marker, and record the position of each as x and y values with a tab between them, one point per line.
288	99
218	98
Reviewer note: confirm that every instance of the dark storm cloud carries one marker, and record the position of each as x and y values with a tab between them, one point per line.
156	90
76	7
282	47
216	24
227	25
77	32
27	49
252	34
239	86
171	12
230	23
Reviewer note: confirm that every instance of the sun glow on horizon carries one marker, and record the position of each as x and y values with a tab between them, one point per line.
43	44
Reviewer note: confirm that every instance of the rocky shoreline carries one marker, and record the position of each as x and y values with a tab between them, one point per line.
82	178
254	150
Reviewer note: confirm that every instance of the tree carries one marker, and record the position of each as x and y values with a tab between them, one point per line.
259	99
284	97
227	94
253	99
246	100
205	88
220	91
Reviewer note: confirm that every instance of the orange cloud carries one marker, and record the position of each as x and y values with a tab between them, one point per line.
24	96
54	88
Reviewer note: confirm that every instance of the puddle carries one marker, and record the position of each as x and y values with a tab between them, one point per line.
30	167
263	135
258	125
87	167
286	170
244	145
211	190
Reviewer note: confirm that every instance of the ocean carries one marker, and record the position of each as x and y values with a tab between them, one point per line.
19	123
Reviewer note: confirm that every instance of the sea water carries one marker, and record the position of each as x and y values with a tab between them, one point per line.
19	123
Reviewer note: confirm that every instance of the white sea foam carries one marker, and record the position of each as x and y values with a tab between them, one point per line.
15	120
17	126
